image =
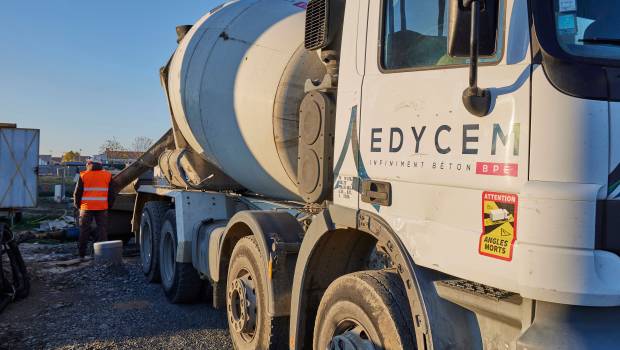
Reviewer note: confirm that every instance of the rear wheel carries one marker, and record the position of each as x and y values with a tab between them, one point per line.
246	301
180	281
150	226
364	310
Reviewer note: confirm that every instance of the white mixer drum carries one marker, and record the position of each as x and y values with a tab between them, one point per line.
235	84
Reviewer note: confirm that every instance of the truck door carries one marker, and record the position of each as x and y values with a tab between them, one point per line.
348	109
418	143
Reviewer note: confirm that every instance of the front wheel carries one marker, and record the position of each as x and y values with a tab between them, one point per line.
246	301
365	310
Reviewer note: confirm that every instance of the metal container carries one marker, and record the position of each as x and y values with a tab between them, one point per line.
235	85
19	161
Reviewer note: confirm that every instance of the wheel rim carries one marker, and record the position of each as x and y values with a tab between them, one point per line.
242	305
168	259
146	245
351	335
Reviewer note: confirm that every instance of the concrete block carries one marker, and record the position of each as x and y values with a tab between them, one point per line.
110	252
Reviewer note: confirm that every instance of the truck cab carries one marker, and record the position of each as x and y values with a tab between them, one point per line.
453	180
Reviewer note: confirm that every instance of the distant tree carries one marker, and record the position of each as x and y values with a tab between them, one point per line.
71	156
141	143
113	145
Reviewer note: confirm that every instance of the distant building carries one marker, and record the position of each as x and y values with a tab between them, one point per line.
83	159
79	160
117	157
100	158
45	159
71	168
53	166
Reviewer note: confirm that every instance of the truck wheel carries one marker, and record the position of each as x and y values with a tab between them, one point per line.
180	281
246	301
364	310
150	226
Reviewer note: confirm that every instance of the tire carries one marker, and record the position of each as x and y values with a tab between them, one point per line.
14	277
363	308
150	227
180	281
259	331
21	280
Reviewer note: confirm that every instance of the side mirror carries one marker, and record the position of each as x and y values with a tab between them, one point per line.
459	25
472	33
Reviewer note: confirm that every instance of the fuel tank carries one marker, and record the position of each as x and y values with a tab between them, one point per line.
235	84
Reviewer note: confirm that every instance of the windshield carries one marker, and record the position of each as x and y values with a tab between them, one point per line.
589	28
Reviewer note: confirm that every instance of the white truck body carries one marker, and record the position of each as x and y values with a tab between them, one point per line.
235	95
518	202
436	197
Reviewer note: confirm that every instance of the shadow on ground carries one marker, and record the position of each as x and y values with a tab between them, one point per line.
83	306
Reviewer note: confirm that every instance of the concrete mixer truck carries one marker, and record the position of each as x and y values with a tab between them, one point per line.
396	174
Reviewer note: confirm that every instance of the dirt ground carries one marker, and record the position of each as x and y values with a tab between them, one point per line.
80	305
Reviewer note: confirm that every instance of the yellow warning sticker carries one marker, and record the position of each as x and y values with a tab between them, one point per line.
499	225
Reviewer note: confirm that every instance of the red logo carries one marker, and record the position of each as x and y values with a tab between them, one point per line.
301	4
497	169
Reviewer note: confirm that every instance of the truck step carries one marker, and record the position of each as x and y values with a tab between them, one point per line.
479	289
500	313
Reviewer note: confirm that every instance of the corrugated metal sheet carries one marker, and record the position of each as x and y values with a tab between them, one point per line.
19	158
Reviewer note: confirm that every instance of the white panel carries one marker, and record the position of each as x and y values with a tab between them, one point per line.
569	276
570	136
19	158
192	208
362	26
558	214
349	106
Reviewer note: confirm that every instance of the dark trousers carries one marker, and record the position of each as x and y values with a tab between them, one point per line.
86	219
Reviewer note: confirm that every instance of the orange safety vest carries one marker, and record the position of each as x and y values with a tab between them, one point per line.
96	186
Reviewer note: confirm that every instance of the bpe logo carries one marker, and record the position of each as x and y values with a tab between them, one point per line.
497	169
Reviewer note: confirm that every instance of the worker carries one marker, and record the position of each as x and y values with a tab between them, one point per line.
92	197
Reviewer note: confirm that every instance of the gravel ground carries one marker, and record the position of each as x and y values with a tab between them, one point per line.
83	306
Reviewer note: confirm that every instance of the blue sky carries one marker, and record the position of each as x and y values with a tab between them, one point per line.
87	71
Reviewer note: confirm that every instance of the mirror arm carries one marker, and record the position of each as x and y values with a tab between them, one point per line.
476	100
474	47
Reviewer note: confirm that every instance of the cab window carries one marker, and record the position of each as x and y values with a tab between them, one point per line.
415	35
589	27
